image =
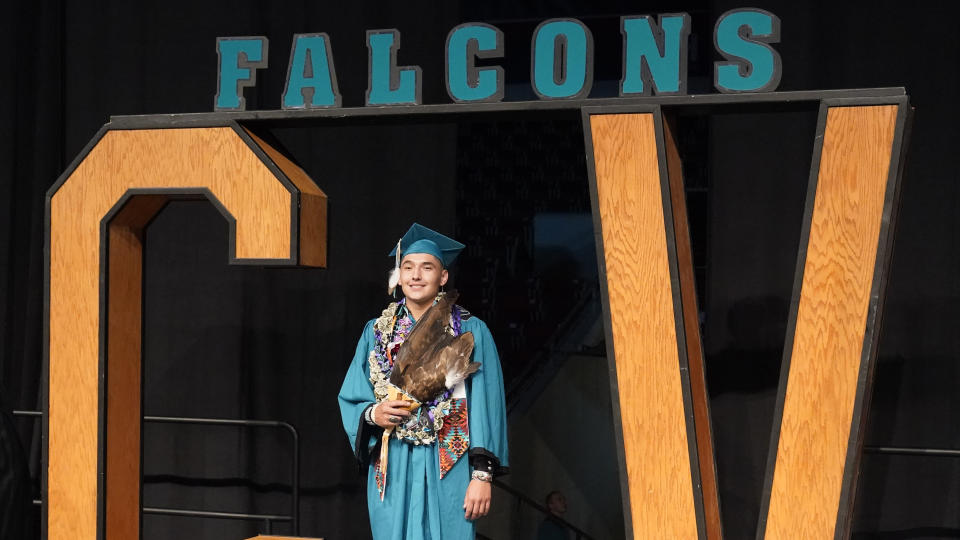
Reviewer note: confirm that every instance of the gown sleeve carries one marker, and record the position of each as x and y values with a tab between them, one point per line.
356	394
486	406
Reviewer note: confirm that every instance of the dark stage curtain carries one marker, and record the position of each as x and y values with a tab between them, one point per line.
17	519
31	157
246	342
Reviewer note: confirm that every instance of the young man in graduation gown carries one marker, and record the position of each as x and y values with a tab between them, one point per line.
442	457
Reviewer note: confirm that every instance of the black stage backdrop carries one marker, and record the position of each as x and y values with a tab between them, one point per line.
240	342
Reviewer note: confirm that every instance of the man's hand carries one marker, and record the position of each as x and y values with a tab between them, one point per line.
391	413
476	503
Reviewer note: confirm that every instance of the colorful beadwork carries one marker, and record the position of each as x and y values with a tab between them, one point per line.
379	477
454	436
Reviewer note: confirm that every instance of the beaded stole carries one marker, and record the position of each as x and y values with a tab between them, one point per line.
454	437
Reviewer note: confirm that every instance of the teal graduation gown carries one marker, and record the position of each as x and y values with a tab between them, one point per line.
418	504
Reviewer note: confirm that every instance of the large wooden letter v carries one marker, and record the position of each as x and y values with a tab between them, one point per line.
653	336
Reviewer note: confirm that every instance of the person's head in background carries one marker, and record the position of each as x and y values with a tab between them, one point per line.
556	502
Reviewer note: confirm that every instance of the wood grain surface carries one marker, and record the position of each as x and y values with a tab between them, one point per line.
124	320
831	319
643	326
212	158
700	398
313	207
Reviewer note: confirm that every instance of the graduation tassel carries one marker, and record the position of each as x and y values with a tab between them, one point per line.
384	456
394	278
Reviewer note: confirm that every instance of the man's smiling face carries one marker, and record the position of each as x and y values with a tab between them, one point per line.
421	276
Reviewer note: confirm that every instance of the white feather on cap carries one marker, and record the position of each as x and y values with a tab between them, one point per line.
394	278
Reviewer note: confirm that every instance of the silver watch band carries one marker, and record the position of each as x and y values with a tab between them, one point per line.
483	476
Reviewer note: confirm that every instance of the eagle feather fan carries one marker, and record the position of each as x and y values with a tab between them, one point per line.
432	359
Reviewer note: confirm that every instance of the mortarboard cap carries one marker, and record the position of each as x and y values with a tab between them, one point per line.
420	239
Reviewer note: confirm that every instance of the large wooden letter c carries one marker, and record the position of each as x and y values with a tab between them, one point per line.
97	213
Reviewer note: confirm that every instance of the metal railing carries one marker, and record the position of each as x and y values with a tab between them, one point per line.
267	519
565	340
579	534
523	499
908	451
293	517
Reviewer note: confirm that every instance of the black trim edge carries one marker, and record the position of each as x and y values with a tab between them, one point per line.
224	118
792	320
693	455
871	337
261	154
586	113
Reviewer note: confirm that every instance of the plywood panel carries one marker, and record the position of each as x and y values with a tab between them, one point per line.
124	316
643	326
700	399
830	323
123	390
216	159
313	206
313	230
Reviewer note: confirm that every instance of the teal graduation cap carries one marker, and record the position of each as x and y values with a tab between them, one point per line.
420	239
